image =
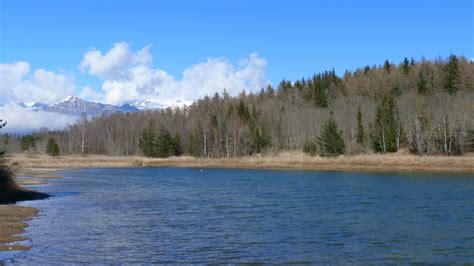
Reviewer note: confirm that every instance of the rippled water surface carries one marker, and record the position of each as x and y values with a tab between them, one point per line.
179	215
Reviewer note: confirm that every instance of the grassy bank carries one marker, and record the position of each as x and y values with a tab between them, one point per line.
284	160
12	223
10	191
12	217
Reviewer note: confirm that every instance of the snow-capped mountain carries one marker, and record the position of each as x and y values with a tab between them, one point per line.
158	105
147	105
75	106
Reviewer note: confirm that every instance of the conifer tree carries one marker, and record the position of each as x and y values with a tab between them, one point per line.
330	141
270	91
406	66
167	145
52	148
194	144
366	69
384	136
422	84
360	128
452	80
147	140
28	142
386	66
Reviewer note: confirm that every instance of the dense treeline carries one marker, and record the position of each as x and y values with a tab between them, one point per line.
426	107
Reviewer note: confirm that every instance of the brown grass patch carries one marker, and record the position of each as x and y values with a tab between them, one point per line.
12	219
45	166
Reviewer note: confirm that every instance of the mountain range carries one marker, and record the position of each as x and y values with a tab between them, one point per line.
75	106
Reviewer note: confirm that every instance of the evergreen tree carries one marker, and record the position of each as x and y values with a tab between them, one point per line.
387	66
176	149
164	144
406	66
194	144
52	148
28	142
270	91
422	84
320	91
452	81
260	139
366	70
167	145
384	136
147	140
243	111
330	141
360	128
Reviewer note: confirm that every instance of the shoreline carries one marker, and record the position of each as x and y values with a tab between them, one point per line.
13	220
43	167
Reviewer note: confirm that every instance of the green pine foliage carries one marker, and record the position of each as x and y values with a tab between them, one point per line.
360	129
452	81
331	141
52	148
28	142
194	144
167	145
406	66
148	140
422	84
384	137
162	145
387	66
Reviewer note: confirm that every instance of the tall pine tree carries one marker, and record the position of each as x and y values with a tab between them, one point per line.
360	129
148	140
385	137
52	148
330	141
452	81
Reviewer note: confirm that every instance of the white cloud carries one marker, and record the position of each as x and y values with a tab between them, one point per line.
20	119
128	76
17	85
12	74
87	93
116	62
218	74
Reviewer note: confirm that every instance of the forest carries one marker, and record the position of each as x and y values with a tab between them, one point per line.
425	107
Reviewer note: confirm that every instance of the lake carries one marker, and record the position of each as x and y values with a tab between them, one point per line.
187	215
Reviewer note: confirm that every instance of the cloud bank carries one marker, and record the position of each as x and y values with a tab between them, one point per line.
23	120
128	76
17	84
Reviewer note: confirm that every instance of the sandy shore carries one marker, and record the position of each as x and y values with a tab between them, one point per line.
43	166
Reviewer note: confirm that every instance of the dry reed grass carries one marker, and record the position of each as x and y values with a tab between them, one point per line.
44	166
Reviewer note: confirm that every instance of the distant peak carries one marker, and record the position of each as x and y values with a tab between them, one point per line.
70	99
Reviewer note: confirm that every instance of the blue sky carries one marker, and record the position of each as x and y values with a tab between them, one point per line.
295	38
